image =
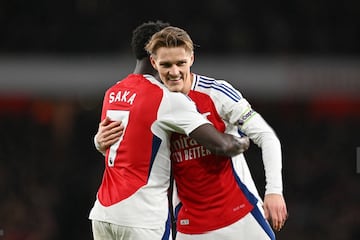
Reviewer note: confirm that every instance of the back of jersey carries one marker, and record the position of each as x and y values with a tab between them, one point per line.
134	101
134	187
135	180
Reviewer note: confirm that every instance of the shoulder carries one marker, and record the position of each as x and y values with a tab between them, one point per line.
216	87
177	97
177	102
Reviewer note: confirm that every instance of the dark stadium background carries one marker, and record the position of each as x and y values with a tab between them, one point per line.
297	62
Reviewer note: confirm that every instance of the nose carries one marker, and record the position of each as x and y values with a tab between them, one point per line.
174	70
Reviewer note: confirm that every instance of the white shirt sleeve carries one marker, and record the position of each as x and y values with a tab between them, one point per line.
179	114
239	113
264	136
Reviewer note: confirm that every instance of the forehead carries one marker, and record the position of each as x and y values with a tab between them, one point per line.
172	54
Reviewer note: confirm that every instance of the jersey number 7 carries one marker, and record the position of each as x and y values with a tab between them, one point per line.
117	115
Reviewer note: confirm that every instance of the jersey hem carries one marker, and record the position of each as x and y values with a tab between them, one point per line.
212	228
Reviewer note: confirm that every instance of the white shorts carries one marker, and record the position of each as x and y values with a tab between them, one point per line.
253	226
109	231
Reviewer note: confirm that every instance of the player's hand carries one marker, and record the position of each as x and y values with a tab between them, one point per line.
275	210
109	132
244	143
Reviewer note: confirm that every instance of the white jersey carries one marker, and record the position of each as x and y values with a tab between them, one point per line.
134	188
240	119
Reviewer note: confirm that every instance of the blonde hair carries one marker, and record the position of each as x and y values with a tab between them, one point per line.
170	37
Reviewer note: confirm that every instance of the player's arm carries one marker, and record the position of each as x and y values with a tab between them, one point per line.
238	111
181	116
219	143
263	135
205	134
108	133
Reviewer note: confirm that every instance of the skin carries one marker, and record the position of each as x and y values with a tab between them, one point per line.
173	65
108	133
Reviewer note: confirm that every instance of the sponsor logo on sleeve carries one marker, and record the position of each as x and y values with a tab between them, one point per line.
246	116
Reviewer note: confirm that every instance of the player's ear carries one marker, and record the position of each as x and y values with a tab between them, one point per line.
152	60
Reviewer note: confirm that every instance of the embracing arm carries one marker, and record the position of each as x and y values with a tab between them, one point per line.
109	132
219	143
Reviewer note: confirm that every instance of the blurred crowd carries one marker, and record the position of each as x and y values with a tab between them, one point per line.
47	176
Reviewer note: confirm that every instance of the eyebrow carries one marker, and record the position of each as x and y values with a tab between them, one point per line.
177	61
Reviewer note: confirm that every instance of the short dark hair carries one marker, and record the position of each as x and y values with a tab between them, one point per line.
142	34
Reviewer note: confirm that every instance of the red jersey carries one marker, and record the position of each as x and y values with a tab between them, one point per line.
136	178
207	187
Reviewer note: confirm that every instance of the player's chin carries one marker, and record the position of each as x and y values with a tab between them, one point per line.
175	88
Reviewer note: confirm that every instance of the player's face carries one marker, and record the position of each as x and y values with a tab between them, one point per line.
173	65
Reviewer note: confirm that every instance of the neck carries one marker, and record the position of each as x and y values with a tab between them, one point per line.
187	87
143	66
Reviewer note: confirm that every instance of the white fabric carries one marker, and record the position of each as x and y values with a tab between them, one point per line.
103	231
246	228
237	113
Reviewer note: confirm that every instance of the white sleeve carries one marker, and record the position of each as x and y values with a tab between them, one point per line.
179	114
264	136
240	113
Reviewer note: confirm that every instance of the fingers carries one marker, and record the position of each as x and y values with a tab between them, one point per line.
244	143
112	130
277	223
280	222
104	122
273	218
275	210
276	220
109	132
